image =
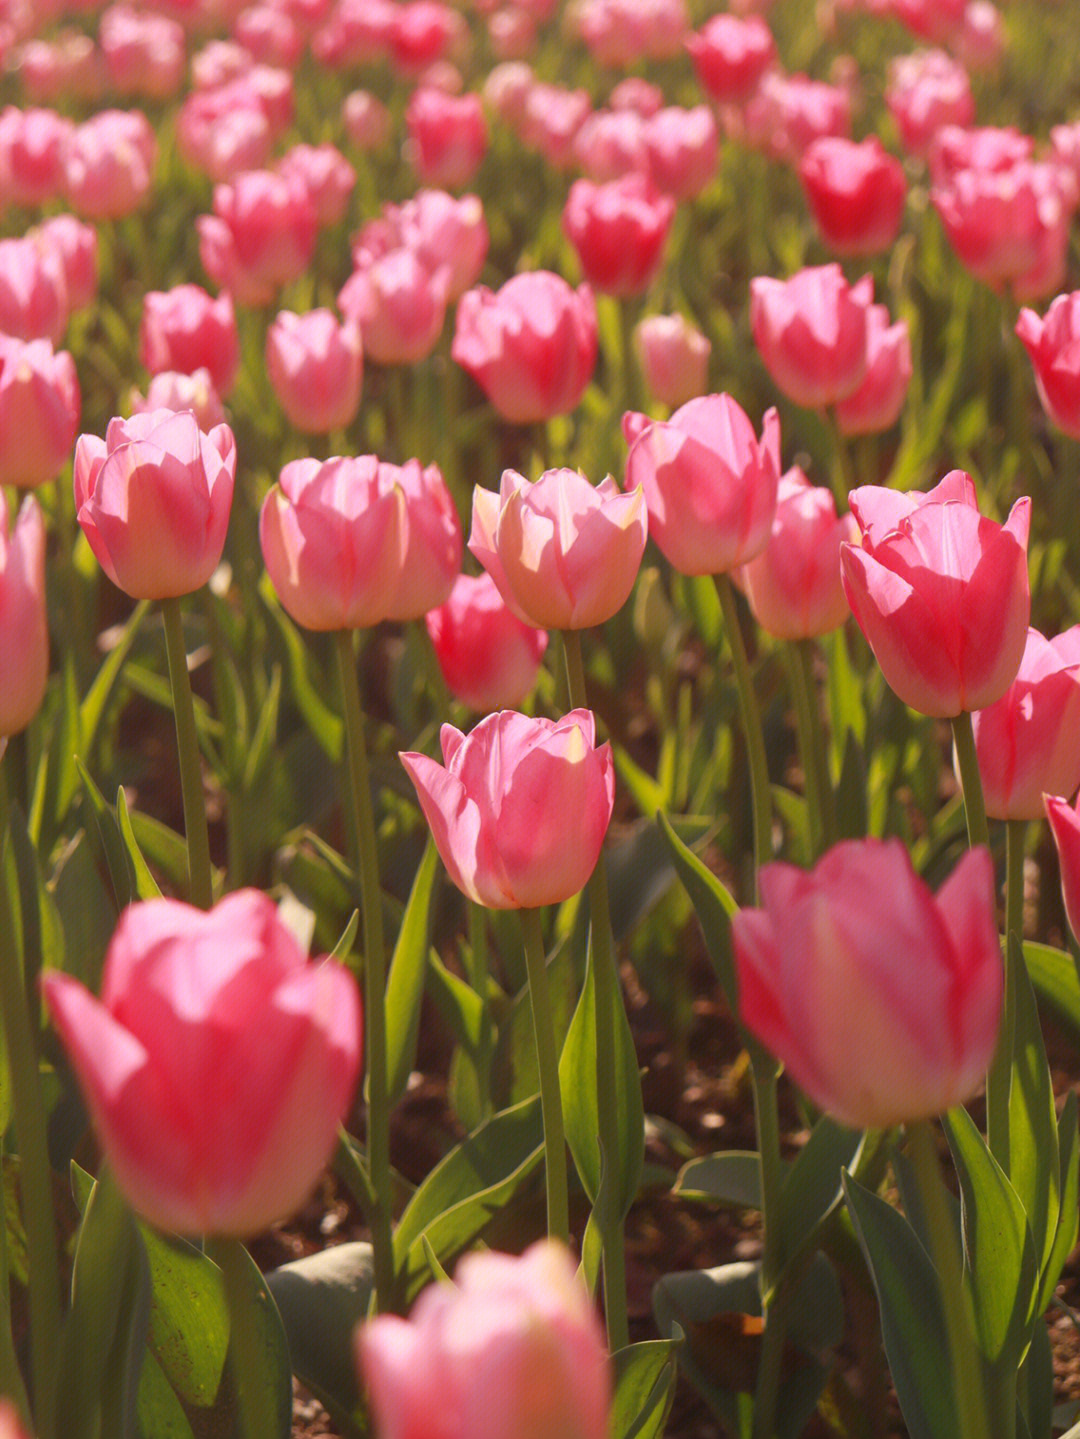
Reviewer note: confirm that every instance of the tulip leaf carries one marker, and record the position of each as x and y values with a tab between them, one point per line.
644	1388
458	1003
812	1187
163	847
650	796
116	855
160	1412
323	723
97	696
146	886
912	1323
733	1177
405	984
263	740
1069	1202
713	905
1054	977
321	1299
258	1347
1036	1385
343	948
1034	1162
999	1256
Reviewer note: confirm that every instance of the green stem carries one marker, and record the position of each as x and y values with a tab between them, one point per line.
843	476
945	1255
35	1180
751	718
970	780
478	978
255	1399
999	1076
547	1059
378	1145
200	875
819	795
608	997
774	1310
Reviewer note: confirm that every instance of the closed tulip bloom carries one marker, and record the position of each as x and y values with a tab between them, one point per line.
442	231
530	346
153	499
366	120
563	553
941	593
224	132
710	483
109	165
77	246
39	411
990	149
399	306
789	113
856	193
143	53
731	55
260	236
513	1349
610	144
682	149
33	144
811	332
334	537
172	390
187	329
270	35
448	136
489	658
316	367
674	358
1065	826
326	175
552	117
793	586
618	231
498	808
33	290
926	91
1028	742
881	999
434	545
1053	343
217	1064
24	631
877	403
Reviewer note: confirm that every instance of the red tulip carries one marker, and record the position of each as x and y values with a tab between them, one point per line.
856	193
618	231
731	55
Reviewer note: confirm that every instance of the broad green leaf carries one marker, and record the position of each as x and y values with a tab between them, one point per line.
146	886
405	984
255	1323
713	905
1069	1207
159	1410
1054	978
812	1187
733	1177
999	1257
1034	1163
86	913
912	1324
116	855
1036	1385
644	1388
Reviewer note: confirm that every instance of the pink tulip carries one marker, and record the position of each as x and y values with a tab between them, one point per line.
941	593
789	113
498	810
506	92
421	32
552	117
224	132
315	365
531	345
856	193
682	150
611	144
1028	742
186	329
709	483
511	33
33	144
434	545
983	37
926	91
260	236
990	149
218	63
489	658
448	136
109	164
877	403
399	306
441	231
637	94
153	499
793	586
336	536
39	411
171	390
33	290
144	53
326	175
366	120
70	65
10	1424
731	55
936	20
618	231
77	246
513	1349
1053	344
674	358
881	999
269	35
619	33
1065	825
563	553
24	631
217	1065
812	333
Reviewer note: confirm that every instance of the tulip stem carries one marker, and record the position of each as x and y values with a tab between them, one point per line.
945	1256
200	874
608	996
256	1401
378	1145
999	1075
547	1059
751	718
819	795
478	978
970	780
766	1072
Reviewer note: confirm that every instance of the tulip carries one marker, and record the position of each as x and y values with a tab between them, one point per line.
1065	826
793	586
153	499
552	117
1028	742
447	135
611	144
811	331
143	53
990	149
77	246
682	149
940	592
880	998
498	808
39	411
172	390
489	658
856	193
269	35
618	231
731	55
260	236
709	483
422	32
224	132
531	345
217	1065
563	553
674	358
512	1350
366	120
399	306
443	233
33	144
789	113
24	651
109	164
433	549
619	33
186	329
315	366
1053	343
326	175
926	91
33	290
334	539
877	403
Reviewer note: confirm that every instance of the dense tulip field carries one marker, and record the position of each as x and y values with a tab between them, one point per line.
540	715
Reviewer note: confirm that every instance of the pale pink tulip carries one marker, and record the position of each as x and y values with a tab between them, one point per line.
315	365
187	329
39	411
24	630
674	358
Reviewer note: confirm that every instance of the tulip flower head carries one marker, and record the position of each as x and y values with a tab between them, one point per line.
24	631
489	658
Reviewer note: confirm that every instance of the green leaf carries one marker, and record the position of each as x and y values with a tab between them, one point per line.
733	1177
343	948
255	1323
97	696
644	1388
146	886
713	905
999	1258
457	1002
1036	1385
649	796
324	724
159	1410
322	1298
405	984
162	846
264	739
1054	978
813	1187
912	1323
1069	1206
116	855
1034	1162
